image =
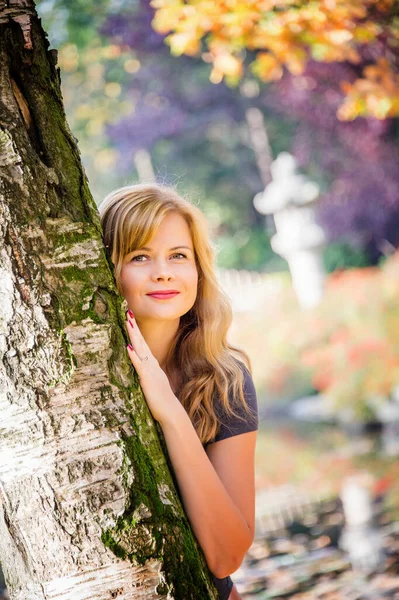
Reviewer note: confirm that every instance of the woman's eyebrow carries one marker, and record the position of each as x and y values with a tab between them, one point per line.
174	248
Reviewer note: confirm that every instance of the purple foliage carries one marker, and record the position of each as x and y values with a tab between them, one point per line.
359	158
171	98
134	29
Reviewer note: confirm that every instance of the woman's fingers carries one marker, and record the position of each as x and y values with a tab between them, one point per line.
134	357
133	329
139	351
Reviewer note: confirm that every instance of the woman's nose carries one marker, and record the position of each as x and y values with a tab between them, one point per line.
162	271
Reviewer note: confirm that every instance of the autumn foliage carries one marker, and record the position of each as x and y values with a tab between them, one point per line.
354	356
269	36
347	348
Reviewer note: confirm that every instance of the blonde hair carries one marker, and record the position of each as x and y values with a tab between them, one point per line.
201	354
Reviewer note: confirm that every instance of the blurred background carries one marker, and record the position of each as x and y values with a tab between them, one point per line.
281	121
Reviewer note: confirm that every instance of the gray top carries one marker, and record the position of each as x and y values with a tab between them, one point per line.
230	427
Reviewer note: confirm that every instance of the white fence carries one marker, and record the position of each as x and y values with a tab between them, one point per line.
247	290
276	507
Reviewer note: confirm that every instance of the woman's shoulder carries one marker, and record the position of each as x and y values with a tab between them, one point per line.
241	421
248	388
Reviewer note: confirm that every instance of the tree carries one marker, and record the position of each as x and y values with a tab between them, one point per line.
88	505
354	162
125	98
278	34
191	126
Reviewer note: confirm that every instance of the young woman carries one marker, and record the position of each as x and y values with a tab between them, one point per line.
196	385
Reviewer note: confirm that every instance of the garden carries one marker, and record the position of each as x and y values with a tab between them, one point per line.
205	96
327	381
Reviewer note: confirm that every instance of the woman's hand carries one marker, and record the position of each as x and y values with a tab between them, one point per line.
153	380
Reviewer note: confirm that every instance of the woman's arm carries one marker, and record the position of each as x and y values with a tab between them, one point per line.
217	486
217	490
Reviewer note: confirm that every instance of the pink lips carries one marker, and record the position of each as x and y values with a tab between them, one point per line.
164	294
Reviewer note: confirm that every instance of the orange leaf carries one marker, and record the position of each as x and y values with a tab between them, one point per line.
267	67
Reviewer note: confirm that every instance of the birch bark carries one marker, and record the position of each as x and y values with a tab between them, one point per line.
88	505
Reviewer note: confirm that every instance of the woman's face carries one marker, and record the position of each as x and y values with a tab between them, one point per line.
166	263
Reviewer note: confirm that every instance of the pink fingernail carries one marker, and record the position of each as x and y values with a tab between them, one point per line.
130	314
130	347
131	324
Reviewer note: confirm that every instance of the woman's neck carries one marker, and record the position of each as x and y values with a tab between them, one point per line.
159	336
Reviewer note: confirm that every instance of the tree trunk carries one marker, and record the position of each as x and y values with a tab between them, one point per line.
88	505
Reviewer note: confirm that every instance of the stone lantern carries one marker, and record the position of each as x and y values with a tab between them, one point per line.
290	198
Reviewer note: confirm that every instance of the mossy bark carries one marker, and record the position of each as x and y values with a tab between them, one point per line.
88	503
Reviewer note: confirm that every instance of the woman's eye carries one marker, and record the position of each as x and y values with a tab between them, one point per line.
143	257
138	257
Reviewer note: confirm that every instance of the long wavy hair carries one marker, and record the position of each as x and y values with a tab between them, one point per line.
209	367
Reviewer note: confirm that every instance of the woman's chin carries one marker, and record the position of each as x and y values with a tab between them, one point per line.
159	316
